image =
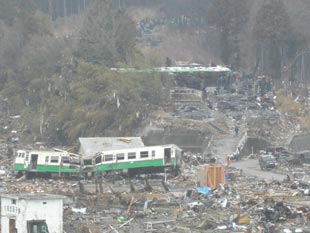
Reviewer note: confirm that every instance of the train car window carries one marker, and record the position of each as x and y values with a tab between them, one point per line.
23	155
87	162
27	157
65	160
120	156
54	159
98	159
153	153
108	158
144	154
131	155
46	159
75	161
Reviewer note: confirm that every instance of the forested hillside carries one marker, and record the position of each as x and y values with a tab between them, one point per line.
62	87
56	55
254	35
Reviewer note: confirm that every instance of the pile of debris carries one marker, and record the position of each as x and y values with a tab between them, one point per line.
243	204
237	203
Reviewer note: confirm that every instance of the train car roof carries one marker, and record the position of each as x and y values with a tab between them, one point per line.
43	151
92	145
142	147
52	152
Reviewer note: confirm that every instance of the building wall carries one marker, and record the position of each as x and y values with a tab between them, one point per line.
50	210
185	138
300	142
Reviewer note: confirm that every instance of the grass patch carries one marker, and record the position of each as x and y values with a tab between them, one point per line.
287	104
305	123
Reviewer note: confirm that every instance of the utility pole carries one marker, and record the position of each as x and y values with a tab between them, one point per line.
302	67
79	7
65	8
70	7
50	8
262	50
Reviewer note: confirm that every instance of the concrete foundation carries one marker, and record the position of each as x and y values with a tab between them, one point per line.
187	139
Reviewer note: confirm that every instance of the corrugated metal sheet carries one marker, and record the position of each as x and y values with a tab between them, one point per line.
93	145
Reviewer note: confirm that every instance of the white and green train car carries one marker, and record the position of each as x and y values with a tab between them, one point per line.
46	162
146	159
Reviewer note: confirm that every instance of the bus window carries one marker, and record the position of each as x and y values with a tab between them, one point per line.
46	159
131	155
27	157
153	153
144	154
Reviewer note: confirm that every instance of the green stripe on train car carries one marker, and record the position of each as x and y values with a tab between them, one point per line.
19	167
56	169
128	165
46	168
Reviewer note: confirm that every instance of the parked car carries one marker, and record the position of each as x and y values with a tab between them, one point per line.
275	150
292	159
267	162
285	156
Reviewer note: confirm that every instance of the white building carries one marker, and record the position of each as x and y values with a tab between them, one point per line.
31	213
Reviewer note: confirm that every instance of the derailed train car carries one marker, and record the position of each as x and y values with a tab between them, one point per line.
37	163
147	159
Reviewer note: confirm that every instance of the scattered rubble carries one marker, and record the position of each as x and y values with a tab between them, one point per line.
209	195
238	203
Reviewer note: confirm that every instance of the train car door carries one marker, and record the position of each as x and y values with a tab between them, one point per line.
33	161
167	156
26	162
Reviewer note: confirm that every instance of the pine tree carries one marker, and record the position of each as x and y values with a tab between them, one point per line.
107	36
230	17
272	31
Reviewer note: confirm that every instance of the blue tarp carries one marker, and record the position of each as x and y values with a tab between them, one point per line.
227	176
203	190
